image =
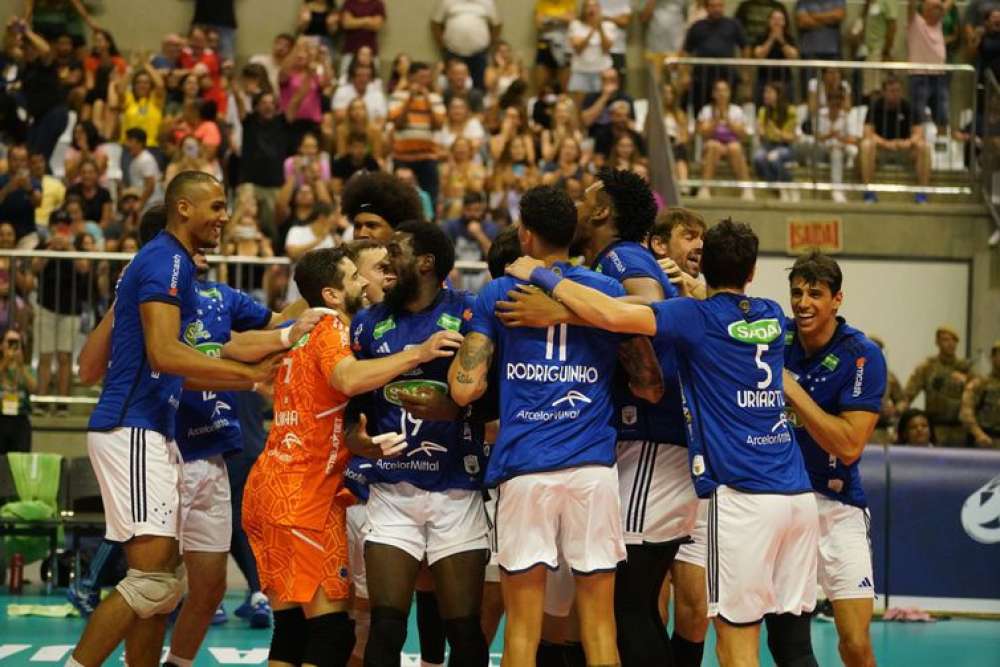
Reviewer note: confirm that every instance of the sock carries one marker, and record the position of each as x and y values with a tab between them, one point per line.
574	655
72	662
257	597
686	653
177	661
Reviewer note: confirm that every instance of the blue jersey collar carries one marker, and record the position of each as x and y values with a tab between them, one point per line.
841	332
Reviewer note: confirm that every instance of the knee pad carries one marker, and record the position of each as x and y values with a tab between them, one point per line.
288	642
788	638
150	593
386	637
331	640
468	645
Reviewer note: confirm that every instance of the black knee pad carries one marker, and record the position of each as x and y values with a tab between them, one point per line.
386	637
331	640
788	638
468	645
288	642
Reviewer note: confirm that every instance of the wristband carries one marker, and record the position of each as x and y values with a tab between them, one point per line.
286	337
546	279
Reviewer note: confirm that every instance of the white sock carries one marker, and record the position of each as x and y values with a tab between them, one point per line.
257	597
72	662
180	662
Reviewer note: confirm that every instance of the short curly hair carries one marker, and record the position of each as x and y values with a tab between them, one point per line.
382	194
632	203
549	212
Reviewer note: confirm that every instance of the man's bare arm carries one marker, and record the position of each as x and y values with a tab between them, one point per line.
353	376
645	378
844	435
96	350
468	372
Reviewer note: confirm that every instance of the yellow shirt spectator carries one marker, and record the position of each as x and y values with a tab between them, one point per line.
146	114
772	130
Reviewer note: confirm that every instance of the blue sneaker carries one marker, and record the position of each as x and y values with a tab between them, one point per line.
870	197
84	602
245	609
260	612
220	616
920	198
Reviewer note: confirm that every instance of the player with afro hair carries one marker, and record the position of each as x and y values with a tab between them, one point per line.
376	202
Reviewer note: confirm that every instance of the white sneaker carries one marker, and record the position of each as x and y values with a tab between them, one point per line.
747	195
838	196
783	195
995	238
794	196
704	193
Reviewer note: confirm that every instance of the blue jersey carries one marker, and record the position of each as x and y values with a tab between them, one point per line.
555	387
207	423
133	394
847	375
638	419
730	354
439	455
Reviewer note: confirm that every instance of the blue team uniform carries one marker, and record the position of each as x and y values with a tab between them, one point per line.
847	375
133	395
638	419
555	387
439	455
730	351
207	423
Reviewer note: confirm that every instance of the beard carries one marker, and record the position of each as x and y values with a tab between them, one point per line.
354	303
403	290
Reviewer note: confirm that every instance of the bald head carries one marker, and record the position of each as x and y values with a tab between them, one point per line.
190	186
196	209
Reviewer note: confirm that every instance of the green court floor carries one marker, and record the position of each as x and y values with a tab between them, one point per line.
955	643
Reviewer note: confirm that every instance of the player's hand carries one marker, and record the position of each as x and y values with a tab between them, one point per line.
265	390
672	271
386	445
522	268
264	370
430	405
441	344
531	307
307	322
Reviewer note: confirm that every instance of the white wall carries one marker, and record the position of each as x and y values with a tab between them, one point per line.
903	302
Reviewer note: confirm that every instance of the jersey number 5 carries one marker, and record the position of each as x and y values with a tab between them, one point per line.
763	365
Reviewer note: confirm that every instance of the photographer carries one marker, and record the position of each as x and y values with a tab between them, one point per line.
17	382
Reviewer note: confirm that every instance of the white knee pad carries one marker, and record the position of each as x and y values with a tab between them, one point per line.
150	593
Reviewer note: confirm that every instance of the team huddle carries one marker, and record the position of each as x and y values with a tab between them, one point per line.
611	417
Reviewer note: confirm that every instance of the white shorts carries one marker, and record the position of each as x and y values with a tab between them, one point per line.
658	499
574	512
435	524
695	551
845	550
357	517
492	568
139	474
762	552
560	591
206	506
56	332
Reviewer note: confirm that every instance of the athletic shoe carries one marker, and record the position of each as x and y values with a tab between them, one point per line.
994	238
260	616
84	602
870	197
704	193
839	197
245	609
747	195
824	611
220	616
920	198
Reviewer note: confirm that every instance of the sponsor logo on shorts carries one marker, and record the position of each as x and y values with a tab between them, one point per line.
760	332
865	583
859	376
981	513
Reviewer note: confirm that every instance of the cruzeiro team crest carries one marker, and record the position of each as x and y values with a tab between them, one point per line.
195	333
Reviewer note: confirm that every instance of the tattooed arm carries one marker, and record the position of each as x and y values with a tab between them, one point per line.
468	372
645	378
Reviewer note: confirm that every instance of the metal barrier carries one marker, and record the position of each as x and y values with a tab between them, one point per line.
987	145
830	138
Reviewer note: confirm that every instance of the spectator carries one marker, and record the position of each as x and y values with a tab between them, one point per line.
53	190
776	124
95	199
60	17
99	67
756	18
309	163
220	16
20	195
915	429
984	45
515	124
676	122
942	379
298	208
183	103
356	158
819	24
606	136
169	57
362	86
44	97
595	111
891	128
17	282
980	411
17	383
461	124
821	89
72	213
716	36
925	43
143	170
466	29
303	77
977	15
86	145
196	53
722	126
267	141
417	114
504	69
565	124
459	175
888	413
472	233
243	238
141	105
833	140
271	62
191	155
776	43
126	221
458	84
624	154
665	26
952	27
70	69
361	21
568	164
406	176
880	35
357	122
552	20
515	173
618	12
590	38
319	19
399	77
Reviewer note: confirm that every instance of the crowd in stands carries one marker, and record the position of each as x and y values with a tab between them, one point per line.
90	136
